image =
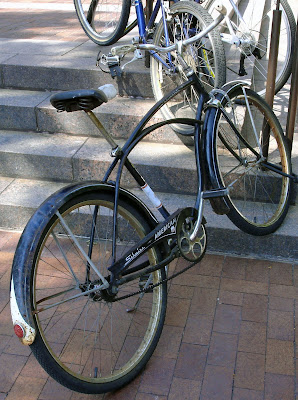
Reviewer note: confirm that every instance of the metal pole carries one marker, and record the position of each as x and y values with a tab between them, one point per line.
293	96
272	66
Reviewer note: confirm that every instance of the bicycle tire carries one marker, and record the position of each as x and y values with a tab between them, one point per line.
91	344
206	57
104	23
259	197
260	33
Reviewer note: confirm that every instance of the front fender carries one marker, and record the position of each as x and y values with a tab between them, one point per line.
21	276
219	205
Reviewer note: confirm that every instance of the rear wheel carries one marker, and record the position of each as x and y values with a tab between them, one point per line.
206	57
96	342
258	181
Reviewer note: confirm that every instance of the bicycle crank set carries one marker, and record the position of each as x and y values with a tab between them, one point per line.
191	250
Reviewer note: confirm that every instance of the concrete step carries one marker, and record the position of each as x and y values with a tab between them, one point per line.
56	65
30	110
20	197
61	157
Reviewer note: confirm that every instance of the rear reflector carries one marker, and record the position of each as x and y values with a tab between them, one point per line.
19	331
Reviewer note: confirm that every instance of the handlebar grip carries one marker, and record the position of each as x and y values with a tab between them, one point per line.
109	90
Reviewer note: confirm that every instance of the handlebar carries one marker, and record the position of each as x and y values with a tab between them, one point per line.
121	50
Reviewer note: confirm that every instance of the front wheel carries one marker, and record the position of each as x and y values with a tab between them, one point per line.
252	161
96	342
206	57
103	22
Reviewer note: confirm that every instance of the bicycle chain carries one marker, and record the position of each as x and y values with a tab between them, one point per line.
151	287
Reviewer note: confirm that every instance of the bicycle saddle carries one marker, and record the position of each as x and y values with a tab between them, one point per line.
75	100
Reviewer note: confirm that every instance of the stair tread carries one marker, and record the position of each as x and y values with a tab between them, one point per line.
20	197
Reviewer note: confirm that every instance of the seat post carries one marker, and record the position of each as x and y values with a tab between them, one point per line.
101	129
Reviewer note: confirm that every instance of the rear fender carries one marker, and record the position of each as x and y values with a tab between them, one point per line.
20	294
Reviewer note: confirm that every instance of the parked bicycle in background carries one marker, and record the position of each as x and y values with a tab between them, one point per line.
246	33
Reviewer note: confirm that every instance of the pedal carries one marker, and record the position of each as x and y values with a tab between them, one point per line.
115	70
112	62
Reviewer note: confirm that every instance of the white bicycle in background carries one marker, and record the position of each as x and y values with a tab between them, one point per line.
246	33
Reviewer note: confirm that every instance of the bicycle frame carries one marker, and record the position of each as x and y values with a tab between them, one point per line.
168	228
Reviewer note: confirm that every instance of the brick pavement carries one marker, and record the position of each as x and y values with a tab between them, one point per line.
229	335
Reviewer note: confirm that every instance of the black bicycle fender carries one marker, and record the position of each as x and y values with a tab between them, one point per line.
20	296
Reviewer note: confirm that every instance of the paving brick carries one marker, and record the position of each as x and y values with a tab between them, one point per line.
185	389
53	390
28	388
10	367
250	370
4	340
280	357
198	329
242	286
3	396
247	394
177	311
281	274
227	319
200	281
16	347
279	387
252	338
204	301
288	292
182	292
82	396
222	350
191	362
295	275
146	396
127	392
217	384
9	241
232	298
254	308
234	268
5	261
281	325
211	265
257	271
33	369
4	298
158	375
5	283
169	343
281	304
6	327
